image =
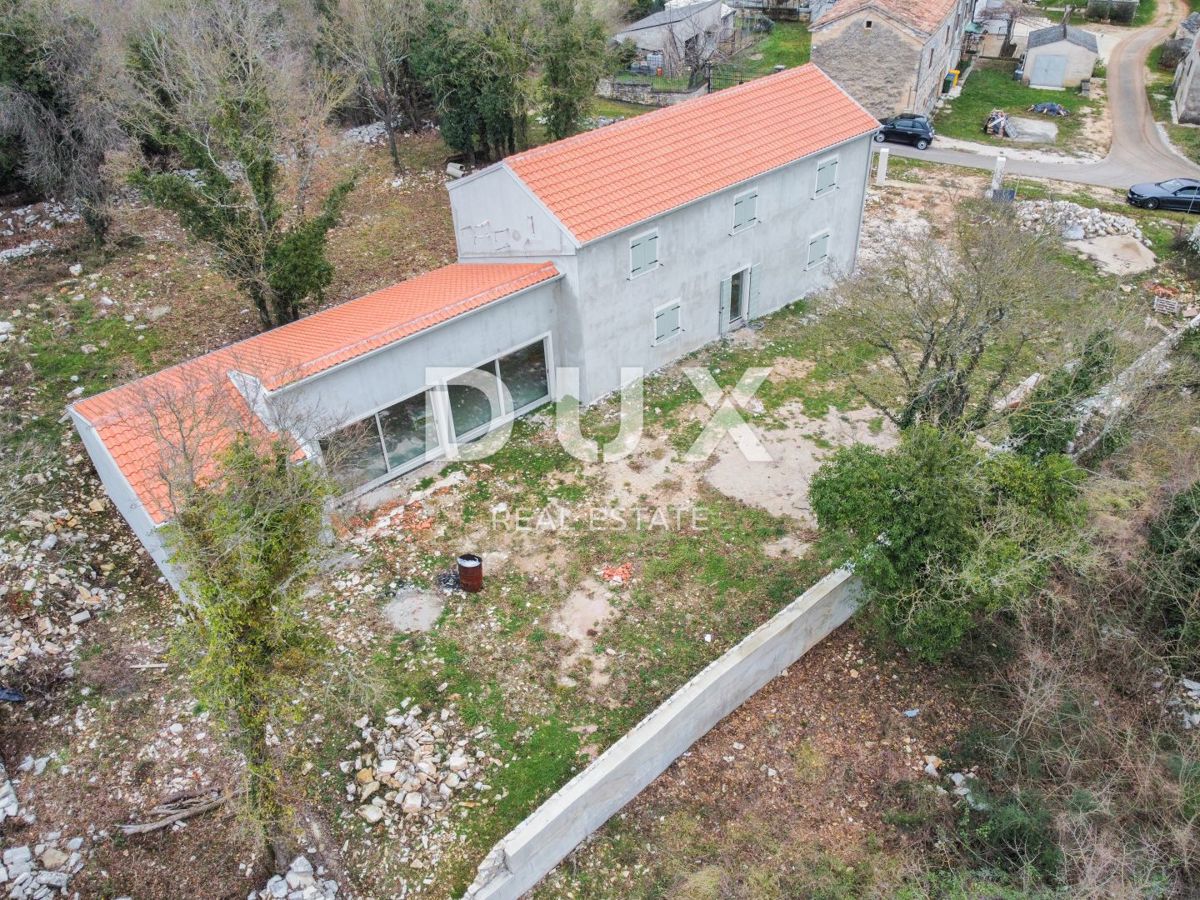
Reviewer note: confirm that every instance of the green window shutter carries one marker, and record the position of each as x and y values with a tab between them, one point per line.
818	249
753	293
827	176
636	256
751	208
739	213
651	259
666	323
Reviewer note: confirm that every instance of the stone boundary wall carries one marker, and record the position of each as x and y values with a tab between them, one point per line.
643	93
520	860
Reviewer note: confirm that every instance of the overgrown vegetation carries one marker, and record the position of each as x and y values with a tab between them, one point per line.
247	541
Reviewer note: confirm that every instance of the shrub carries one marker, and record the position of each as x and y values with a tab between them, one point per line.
1173	549
1016	833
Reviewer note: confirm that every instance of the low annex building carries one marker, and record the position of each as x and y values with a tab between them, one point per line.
616	250
1060	56
892	55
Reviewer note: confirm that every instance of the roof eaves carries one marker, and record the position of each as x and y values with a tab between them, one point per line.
280	389
737	184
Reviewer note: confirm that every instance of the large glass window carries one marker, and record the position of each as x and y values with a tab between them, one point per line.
474	399
524	374
354	455
408	431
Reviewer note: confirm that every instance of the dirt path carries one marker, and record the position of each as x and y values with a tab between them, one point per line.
1139	152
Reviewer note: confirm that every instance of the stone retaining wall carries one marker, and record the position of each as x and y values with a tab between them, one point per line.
533	848
644	94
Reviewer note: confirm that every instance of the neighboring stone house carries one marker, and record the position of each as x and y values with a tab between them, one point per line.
891	55
580	263
1187	92
683	35
1060	56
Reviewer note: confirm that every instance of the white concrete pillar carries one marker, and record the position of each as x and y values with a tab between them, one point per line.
998	176
881	167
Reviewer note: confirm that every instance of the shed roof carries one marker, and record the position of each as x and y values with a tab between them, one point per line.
185	415
1063	32
924	16
669	16
608	179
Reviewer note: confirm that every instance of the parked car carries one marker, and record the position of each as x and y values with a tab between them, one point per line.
908	128
1174	193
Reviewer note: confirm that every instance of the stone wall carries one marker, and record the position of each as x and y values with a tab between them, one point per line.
643	93
619	774
877	66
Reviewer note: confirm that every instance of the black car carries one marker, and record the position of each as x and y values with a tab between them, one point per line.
1175	193
907	129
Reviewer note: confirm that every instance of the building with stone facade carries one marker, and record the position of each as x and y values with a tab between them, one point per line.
1187	90
891	55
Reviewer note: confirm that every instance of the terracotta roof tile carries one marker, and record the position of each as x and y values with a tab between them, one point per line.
175	421
599	182
926	16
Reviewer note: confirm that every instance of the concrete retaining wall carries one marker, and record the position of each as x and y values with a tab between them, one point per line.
644	93
619	774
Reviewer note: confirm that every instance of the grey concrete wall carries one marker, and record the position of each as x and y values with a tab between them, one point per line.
356	389
619	774
697	252
126	501
494	214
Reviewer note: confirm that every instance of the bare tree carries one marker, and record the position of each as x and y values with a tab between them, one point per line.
232	87
61	99
952	325
373	41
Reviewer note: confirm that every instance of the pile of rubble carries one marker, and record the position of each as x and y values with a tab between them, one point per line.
1186	703
51	599
410	774
1074	222
42	871
300	883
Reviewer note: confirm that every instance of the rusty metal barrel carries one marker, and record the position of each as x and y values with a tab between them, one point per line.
470	573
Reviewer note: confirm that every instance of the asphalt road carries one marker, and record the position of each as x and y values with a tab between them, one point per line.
1139	152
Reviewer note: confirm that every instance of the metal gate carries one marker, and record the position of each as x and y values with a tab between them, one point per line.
1048	71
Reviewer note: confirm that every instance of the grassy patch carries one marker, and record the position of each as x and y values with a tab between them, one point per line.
789	45
991	86
615	109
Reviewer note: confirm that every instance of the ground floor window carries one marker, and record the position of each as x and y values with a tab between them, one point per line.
382	443
399	437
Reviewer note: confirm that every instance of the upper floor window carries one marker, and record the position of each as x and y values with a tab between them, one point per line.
745	210
643	254
826	176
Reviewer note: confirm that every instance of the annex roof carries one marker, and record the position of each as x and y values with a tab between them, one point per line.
669	16
1063	32
924	16
601	181
185	415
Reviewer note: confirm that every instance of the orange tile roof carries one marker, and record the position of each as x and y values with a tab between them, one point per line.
176	421
926	16
604	180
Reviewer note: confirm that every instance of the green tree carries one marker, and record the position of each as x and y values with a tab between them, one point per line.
572	56
476	61
60	107
226	90
247	540
944	537
1048	421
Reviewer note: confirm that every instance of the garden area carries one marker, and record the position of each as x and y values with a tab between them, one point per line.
990	86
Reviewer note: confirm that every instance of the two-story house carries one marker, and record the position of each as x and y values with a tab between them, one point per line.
892	55
613	251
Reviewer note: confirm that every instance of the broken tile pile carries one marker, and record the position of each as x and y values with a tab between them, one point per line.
300	883
412	773
1074	222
